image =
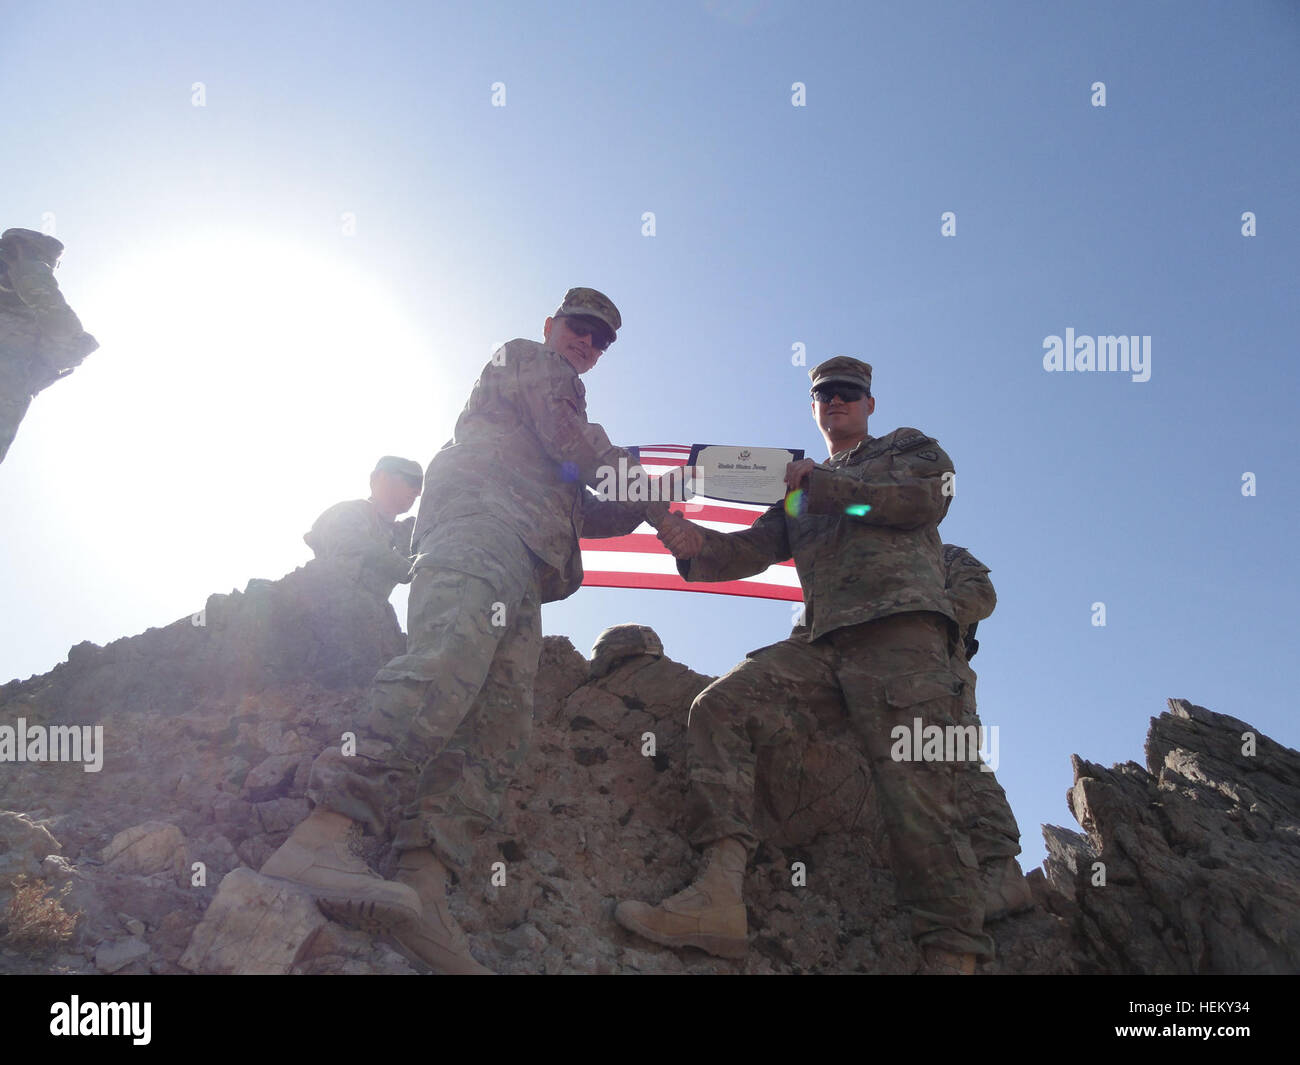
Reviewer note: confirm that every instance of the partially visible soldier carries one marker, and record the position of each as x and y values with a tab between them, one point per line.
994	834
363	535
504	504
877	636
41	339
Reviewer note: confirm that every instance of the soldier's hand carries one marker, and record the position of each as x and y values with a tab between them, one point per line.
796	473
683	538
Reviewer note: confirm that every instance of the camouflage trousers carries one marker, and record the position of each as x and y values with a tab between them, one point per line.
885	674
448	722
994	834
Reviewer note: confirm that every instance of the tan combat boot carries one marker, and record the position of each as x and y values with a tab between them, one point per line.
437	940
1006	891
317	856
948	963
710	914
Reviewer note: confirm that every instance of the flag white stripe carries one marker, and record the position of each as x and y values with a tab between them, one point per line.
638	562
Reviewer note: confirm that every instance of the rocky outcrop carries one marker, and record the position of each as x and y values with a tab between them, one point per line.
209	731
1191	865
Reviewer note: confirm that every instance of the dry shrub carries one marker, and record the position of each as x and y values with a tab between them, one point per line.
36	922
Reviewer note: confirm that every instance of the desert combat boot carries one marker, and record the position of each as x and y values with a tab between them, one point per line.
436	939
317	856
709	914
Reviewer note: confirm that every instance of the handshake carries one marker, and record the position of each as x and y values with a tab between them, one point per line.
683	538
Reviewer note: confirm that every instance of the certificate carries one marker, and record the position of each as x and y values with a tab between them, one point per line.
741	474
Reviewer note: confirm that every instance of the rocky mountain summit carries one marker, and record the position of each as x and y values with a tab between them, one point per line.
149	863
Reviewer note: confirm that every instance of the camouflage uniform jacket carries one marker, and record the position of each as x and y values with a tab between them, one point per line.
971	592
38	330
522	452
356	533
852	568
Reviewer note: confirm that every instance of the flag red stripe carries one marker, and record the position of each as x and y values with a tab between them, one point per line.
664	582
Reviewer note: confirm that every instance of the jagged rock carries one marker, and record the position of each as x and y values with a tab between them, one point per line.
1199	852
1069	855
561	671
151	848
254	925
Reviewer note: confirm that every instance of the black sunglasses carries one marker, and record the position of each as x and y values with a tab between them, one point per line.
848	393
581	326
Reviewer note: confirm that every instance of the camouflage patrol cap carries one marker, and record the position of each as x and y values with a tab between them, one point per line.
619	642
45	247
843	368
593	304
403	467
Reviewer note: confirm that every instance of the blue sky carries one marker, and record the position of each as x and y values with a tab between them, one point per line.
256	357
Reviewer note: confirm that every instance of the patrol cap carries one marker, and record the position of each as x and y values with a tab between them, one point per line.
844	369
400	466
47	248
619	642
593	304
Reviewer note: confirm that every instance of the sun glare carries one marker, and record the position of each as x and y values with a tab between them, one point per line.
241	387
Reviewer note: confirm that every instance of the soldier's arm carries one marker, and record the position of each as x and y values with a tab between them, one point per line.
554	404
731	556
970	589
402	533
602	518
908	495
390	563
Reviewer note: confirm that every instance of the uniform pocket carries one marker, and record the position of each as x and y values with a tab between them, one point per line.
913	689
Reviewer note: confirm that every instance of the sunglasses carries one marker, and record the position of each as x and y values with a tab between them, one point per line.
589	327
848	393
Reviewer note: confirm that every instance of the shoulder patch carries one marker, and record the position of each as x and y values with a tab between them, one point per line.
910	440
950	552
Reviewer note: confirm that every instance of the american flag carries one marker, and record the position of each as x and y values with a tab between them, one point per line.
641	561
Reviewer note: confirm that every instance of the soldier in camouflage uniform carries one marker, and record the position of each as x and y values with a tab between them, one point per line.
994	834
504	504
362	537
41	339
877	633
